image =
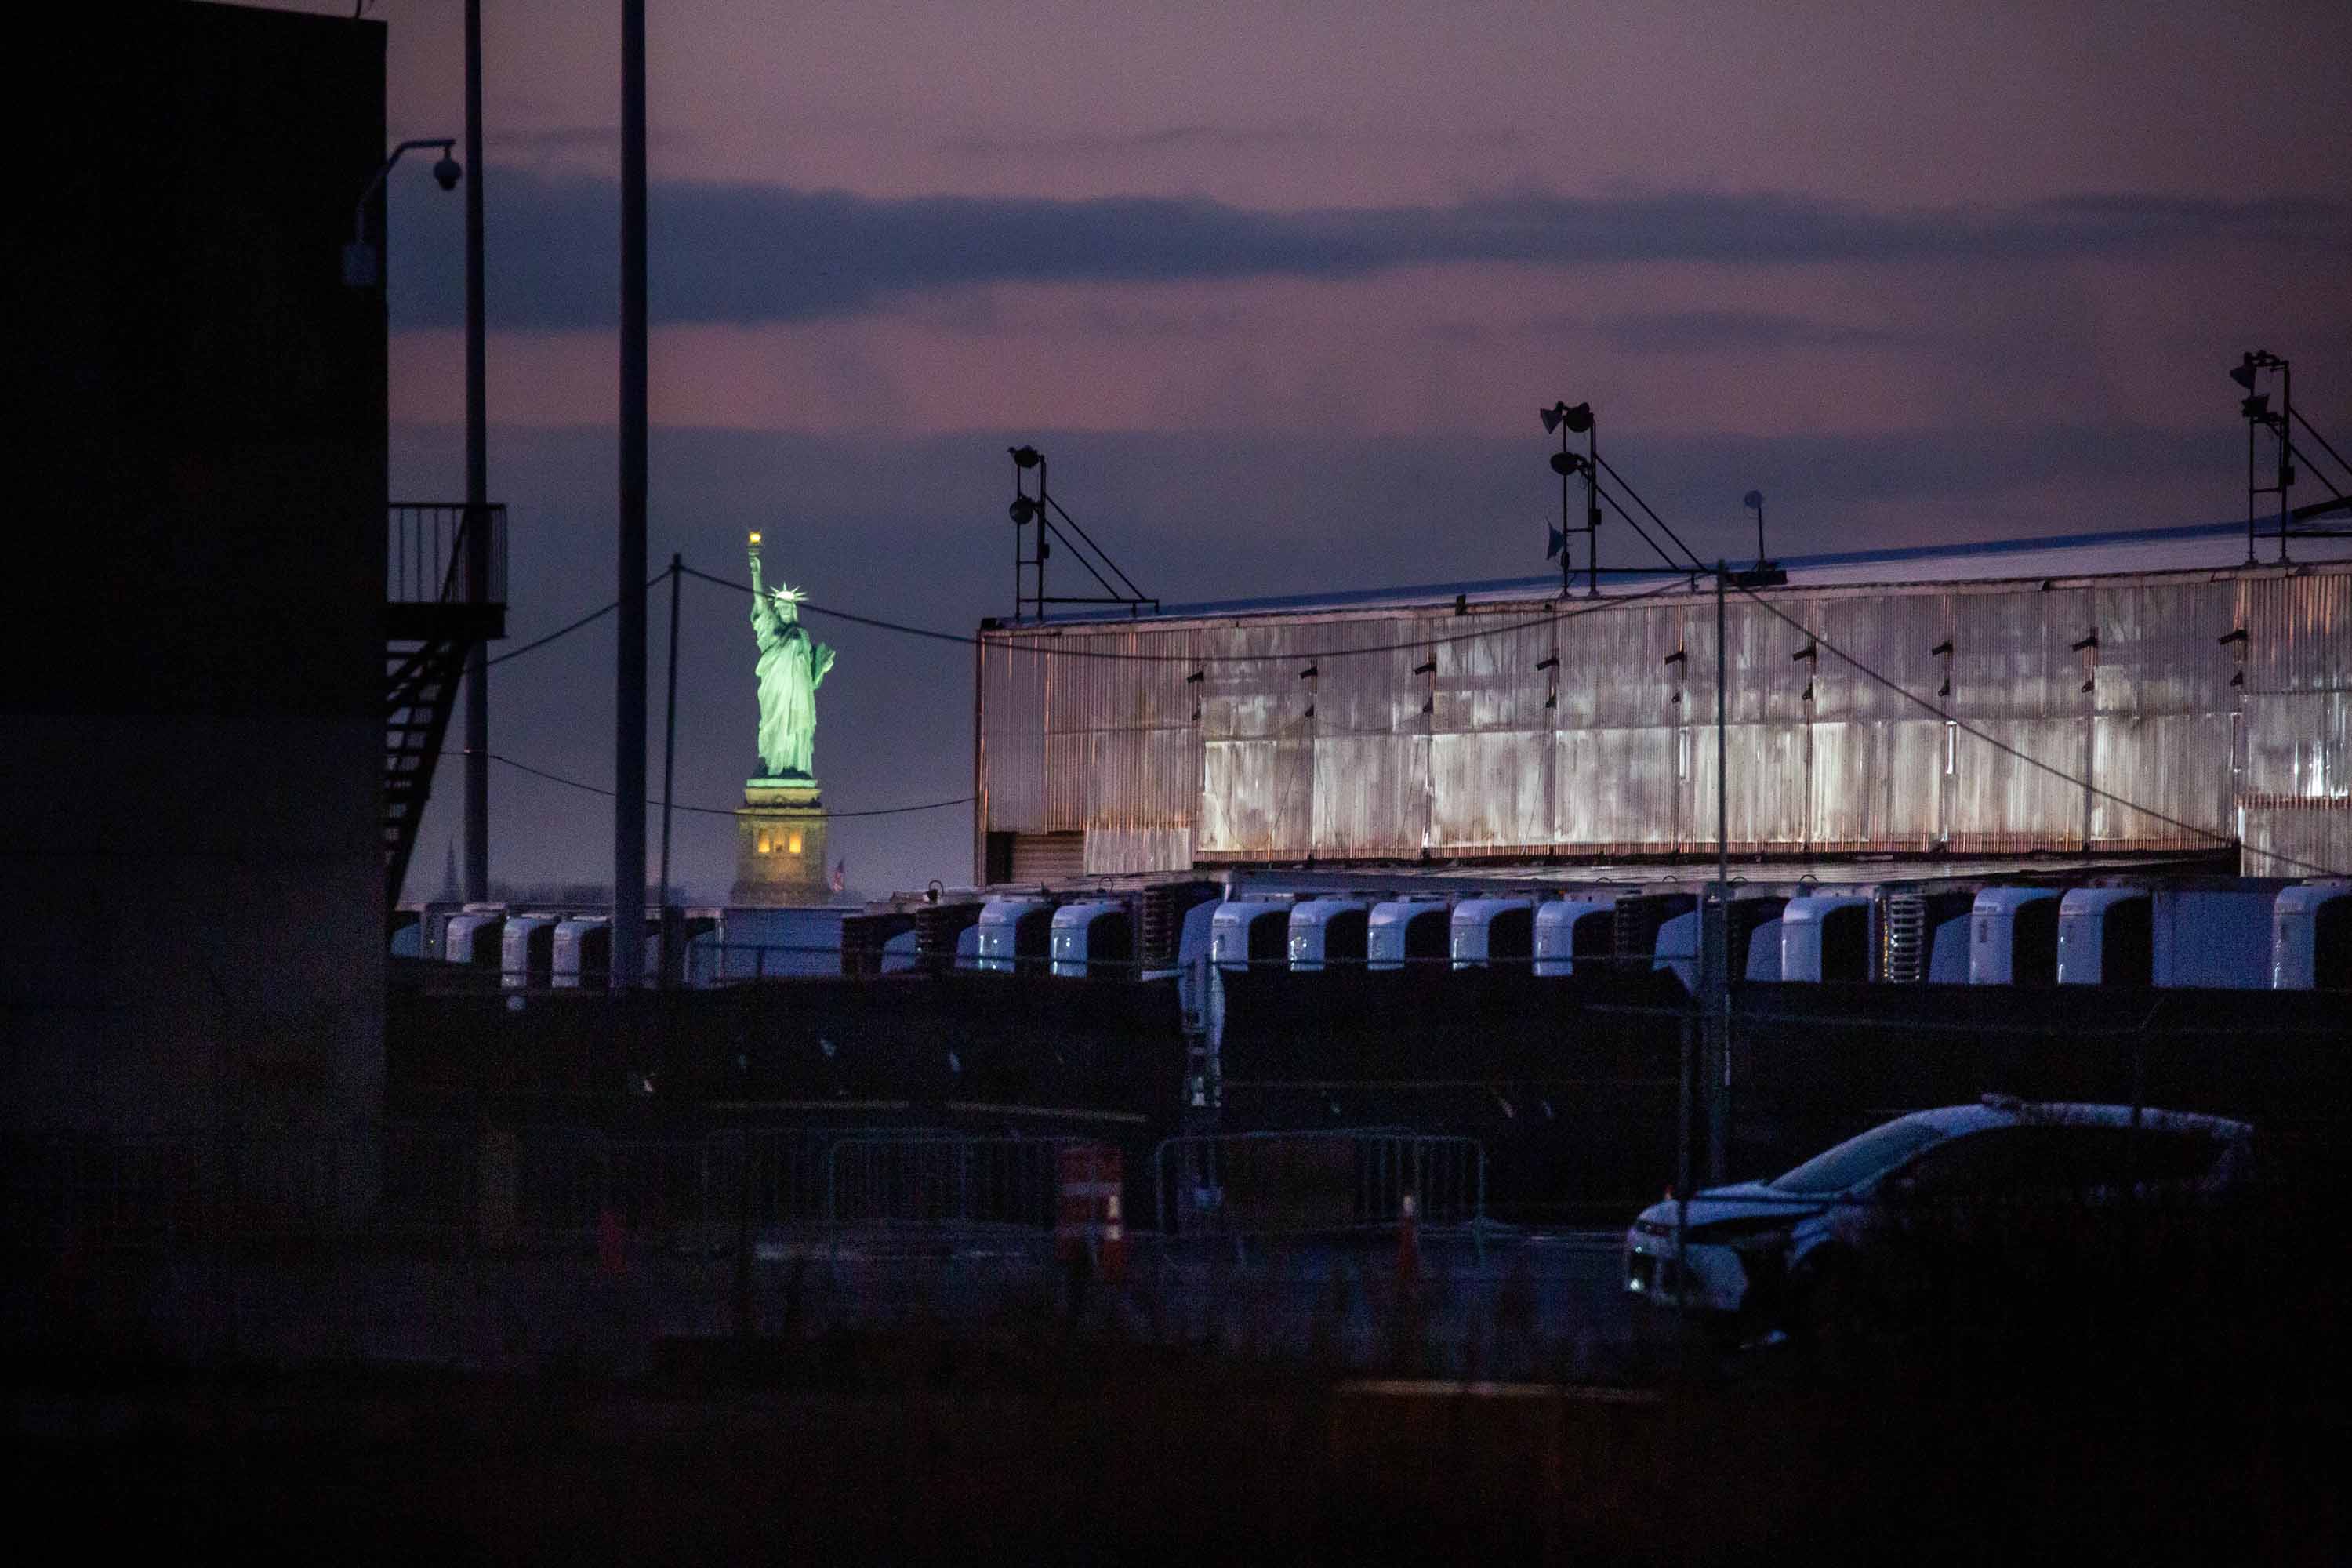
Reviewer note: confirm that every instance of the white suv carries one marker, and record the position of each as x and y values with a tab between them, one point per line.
1763	1258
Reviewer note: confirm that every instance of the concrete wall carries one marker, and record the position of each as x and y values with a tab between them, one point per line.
190	881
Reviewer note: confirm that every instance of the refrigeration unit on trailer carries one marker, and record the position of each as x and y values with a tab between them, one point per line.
1828	937
584	953
2014	936
2311	936
1500	931
1094	937
1580	926
473	937
1407	930
1016	933
1246	933
2105	937
1333	931
526	951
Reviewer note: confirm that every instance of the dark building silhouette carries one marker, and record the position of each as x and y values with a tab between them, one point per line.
191	867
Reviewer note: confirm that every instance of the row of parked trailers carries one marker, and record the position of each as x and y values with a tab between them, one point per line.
2211	932
533	949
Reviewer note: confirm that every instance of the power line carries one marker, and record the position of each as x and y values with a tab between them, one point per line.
2055	772
721	810
1414	646
566	631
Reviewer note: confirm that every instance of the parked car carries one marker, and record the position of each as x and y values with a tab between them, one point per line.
1763	1259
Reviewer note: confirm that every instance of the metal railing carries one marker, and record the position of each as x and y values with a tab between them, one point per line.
1268	1185
426	544
944	1179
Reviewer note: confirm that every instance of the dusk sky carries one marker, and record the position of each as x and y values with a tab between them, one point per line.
1278	288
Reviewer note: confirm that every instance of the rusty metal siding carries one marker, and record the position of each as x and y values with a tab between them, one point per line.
1122	851
1375	757
1371	741
1258	781
2301	631
1617	788
1012	736
1490	737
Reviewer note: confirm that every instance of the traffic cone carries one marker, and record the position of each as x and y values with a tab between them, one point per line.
1408	1244
1114	1241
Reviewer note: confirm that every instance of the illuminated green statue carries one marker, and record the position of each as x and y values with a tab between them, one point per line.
792	666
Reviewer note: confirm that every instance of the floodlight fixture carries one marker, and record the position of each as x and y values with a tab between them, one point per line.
1579	418
1566	463
363	263
1022	509
1024	456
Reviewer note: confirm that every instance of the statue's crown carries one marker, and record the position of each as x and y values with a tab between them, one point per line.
788	595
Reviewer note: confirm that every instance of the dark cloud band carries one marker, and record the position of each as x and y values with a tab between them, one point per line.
746	254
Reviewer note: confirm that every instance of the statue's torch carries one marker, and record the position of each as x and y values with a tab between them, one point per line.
755	563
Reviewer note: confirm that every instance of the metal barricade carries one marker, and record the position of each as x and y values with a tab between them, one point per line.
1261	1185
944	1181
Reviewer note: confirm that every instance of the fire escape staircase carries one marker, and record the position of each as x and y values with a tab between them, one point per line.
445	596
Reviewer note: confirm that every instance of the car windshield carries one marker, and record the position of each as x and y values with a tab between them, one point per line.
1859	1159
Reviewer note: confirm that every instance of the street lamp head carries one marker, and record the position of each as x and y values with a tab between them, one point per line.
1753	500
448	172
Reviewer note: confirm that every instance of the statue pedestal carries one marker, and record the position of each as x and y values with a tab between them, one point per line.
780	859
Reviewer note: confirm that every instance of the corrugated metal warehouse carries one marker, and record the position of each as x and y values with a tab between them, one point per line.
1890	703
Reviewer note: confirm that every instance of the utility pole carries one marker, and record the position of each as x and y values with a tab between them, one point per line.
672	964
1714	930
629	689
477	483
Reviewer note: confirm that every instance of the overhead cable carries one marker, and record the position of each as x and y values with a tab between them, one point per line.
567	629
1058	651
2000	745
721	810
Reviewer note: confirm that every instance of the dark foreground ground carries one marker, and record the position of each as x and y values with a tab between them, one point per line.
916	1446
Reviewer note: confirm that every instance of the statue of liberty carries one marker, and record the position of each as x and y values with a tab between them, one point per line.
792	666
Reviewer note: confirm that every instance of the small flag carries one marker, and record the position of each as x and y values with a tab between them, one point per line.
1558	543
840	875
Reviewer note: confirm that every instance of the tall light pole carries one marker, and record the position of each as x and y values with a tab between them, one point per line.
629	687
1560	417
477	484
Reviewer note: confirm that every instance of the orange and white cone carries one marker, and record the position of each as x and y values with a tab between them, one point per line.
1407	1243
